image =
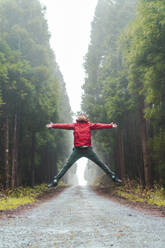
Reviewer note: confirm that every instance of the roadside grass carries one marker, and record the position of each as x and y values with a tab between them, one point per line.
14	197
136	193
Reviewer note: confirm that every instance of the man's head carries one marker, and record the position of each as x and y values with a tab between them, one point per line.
82	118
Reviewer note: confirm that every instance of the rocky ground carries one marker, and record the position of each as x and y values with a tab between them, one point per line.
78	217
110	193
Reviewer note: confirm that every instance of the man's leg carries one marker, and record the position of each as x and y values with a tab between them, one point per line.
90	154
72	159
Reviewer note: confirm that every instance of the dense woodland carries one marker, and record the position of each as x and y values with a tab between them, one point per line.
125	83
32	93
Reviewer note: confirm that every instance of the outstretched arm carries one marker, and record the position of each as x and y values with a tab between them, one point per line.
68	126
95	126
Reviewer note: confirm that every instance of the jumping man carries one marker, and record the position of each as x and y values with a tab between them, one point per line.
82	145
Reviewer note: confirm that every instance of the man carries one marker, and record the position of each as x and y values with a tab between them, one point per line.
82	145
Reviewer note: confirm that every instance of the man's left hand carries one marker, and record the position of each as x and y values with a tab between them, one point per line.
114	125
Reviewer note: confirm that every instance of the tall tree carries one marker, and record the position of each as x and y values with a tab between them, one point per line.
105	95
32	93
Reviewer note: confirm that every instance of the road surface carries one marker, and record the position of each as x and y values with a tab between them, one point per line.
79	218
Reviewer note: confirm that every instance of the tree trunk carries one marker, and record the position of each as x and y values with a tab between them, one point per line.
138	152
7	150
14	153
121	154
33	160
146	158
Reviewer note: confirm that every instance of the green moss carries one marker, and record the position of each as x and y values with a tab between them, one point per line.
130	196
13	203
135	193
17	196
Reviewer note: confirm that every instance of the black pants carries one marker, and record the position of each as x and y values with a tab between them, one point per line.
79	152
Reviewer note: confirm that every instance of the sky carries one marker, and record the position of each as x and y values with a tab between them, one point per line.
69	22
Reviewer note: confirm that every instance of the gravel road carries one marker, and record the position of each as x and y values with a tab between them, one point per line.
79	218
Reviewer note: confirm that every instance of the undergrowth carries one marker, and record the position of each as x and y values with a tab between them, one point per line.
136	193
14	197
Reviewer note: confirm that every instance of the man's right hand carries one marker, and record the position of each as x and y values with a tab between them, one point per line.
49	125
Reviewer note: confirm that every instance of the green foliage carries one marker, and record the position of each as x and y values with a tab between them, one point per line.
125	83
13	203
15	197
106	97
136	193
144	56
31	88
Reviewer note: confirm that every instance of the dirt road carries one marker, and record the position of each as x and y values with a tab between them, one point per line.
79	218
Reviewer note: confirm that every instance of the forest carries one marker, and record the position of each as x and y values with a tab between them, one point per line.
124	83
32	93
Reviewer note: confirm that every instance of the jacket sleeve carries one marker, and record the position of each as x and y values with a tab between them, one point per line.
68	126
95	126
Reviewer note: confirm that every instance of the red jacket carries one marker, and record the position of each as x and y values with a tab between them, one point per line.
82	131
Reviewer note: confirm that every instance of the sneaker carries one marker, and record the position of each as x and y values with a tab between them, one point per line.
116	179
53	183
